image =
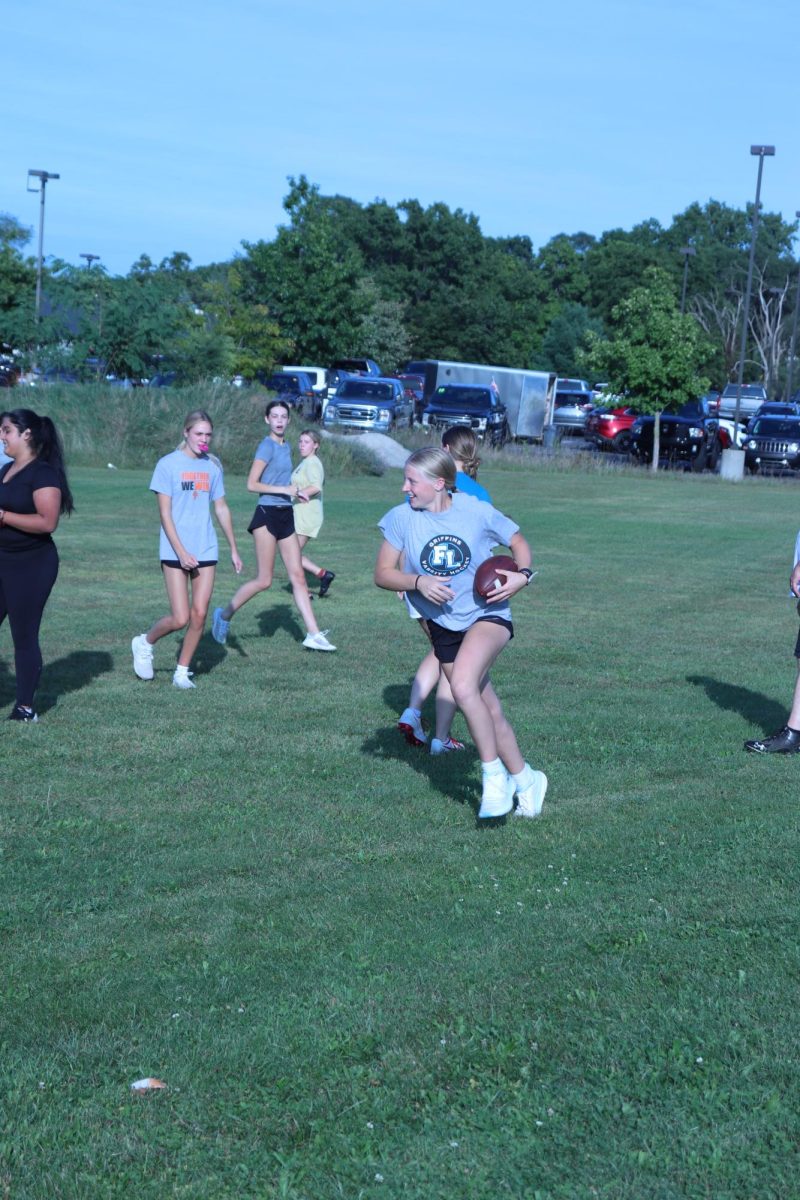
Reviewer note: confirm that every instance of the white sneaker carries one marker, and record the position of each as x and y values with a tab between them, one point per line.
317	641
498	795
181	678
444	747
410	725
142	657
530	801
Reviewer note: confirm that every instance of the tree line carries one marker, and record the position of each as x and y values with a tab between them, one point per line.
394	282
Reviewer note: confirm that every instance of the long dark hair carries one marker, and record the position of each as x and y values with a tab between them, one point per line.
46	445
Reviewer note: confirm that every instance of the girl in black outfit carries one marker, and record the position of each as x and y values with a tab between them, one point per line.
33	494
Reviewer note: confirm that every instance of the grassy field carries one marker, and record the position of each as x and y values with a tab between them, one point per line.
257	893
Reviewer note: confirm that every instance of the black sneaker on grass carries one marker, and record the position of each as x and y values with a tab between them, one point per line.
18	713
785	741
325	582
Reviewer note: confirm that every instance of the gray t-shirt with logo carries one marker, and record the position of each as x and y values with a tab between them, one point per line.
192	484
450	546
277	472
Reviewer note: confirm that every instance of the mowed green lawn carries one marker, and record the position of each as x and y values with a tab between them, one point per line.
257	893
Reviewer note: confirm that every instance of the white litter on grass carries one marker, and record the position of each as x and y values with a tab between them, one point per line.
111	467
147	1085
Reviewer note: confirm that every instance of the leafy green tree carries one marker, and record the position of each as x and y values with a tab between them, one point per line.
254	337
653	354
616	264
382	335
566	337
561	267
17	285
307	280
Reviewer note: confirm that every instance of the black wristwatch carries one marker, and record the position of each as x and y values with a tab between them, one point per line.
527	572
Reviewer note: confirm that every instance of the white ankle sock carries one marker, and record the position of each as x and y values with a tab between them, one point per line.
495	767
524	779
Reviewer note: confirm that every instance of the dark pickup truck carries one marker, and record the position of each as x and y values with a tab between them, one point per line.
479	408
690	436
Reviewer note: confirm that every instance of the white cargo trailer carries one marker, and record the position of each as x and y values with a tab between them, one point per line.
527	395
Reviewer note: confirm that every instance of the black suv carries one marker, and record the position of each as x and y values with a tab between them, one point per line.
773	443
477	407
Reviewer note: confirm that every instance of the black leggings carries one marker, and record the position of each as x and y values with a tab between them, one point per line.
26	581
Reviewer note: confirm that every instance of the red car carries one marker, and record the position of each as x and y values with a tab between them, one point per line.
609	429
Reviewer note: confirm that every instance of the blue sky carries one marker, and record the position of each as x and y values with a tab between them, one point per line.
175	125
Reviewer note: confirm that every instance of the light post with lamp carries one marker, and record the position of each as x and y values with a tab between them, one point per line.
90	258
732	465
43	177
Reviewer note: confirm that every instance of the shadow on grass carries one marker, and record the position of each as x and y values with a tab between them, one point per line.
69	674
281	617
455	775
452	774
756	708
208	655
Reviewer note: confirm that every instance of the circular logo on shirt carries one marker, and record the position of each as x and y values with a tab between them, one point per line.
445	555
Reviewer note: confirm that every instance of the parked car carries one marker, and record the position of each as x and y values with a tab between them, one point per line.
752	397
610	429
415	390
688	436
163	379
574	401
479	408
9	371
295	388
369	404
319	385
774	408
773	443
704	410
357	366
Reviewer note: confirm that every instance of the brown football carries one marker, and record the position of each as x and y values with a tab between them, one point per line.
487	579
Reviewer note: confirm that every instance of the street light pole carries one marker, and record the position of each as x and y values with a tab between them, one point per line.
43	177
90	258
687	252
762	152
793	343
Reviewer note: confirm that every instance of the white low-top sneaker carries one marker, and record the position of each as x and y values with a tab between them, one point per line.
530	801
182	679
142	657
318	641
498	795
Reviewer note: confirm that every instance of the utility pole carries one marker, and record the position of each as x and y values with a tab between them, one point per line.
43	177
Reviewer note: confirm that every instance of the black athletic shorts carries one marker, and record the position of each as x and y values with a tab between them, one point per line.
797	643
176	566
446	642
278	519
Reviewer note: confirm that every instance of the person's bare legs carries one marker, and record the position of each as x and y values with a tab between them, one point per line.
289	548
177	585
425	680
473	693
202	587
265	546
308	565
